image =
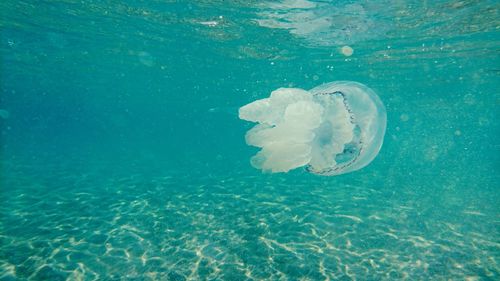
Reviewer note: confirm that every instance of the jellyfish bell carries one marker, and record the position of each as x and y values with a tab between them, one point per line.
353	130
332	129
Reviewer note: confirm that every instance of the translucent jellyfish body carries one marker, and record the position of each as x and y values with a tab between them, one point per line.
333	129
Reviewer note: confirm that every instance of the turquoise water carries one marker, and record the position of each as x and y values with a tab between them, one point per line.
122	156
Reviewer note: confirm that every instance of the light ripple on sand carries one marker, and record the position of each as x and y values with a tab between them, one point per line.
205	231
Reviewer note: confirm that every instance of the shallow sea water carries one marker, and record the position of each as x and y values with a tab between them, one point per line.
122	157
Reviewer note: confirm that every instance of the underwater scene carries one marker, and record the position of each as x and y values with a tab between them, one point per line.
249	140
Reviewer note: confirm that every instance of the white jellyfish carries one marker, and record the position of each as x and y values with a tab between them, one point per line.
333	129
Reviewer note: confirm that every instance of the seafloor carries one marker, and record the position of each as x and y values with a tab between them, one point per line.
103	226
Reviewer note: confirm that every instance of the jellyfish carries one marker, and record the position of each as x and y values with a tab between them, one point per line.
333	129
